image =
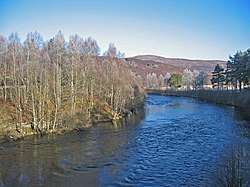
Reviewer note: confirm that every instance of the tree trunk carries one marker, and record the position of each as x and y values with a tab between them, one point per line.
72	89
33	110
5	81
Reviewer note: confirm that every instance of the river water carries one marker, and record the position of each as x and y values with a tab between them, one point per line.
178	142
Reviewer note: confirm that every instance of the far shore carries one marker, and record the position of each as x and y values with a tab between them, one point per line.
240	100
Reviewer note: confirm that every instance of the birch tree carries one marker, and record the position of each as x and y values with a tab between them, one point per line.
74	53
155	81
161	81
90	47
58	52
166	79
187	78
46	82
148	80
3	66
15	57
200	80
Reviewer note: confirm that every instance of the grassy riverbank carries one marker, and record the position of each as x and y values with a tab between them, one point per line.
240	100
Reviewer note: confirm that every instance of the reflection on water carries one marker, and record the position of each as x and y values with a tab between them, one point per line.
178	142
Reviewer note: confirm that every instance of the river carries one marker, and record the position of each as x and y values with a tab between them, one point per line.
178	142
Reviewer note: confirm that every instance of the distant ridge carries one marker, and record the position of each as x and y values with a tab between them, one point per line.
161	57
144	64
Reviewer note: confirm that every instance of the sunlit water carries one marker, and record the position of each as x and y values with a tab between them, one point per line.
177	143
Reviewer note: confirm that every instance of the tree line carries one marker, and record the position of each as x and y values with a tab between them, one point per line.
237	72
44	82
187	80
235	76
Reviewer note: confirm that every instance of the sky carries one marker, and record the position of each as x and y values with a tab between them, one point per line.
193	29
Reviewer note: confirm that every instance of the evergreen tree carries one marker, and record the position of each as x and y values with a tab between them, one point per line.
218	77
175	80
237	72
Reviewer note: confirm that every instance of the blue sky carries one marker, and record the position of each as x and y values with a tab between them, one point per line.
195	29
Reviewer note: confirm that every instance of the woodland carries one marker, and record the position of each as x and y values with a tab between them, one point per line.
54	85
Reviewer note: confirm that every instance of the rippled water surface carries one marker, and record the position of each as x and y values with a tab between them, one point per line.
177	143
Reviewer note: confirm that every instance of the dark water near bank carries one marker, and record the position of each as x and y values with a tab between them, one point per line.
178	142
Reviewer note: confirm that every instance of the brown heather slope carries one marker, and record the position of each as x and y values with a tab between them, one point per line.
145	64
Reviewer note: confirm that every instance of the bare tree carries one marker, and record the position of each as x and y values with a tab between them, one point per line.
58	52
90	47
3	65
233	169
47	81
166	79
187	78
74	53
113	52
15	58
155	81
200	80
148	80
161	81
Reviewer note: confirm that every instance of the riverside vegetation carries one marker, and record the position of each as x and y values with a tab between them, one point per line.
56	86
234	76
227	83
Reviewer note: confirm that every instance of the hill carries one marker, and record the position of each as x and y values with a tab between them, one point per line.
145	64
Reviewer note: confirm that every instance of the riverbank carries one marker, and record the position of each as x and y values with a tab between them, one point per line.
241	100
77	122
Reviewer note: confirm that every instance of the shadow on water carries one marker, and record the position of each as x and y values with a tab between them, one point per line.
241	114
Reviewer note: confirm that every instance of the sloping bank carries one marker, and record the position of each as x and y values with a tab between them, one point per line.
241	100
79	121
9	132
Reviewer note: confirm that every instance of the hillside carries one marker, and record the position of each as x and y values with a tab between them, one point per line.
145	64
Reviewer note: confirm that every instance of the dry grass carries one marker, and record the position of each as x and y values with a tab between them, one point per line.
233	169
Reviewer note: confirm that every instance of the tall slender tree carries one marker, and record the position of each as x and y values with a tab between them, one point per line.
237	73
3	66
218	77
